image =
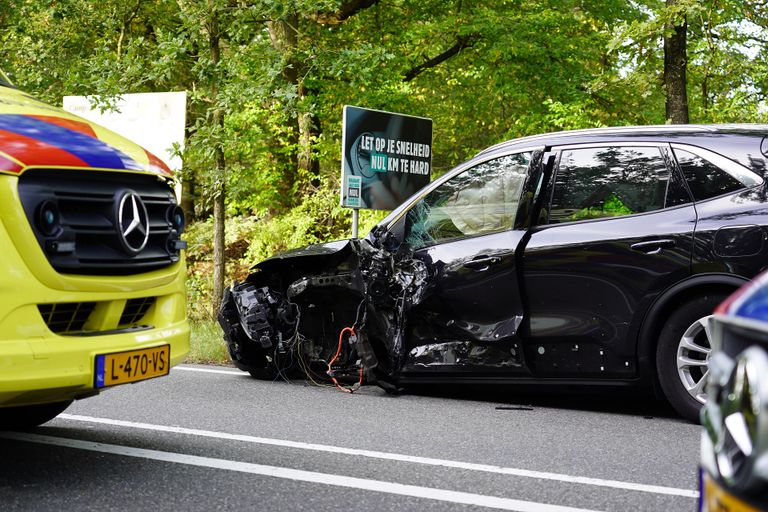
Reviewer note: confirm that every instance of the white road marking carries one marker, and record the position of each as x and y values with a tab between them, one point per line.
299	475
208	370
630	486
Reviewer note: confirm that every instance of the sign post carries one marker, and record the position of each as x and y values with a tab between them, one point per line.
387	157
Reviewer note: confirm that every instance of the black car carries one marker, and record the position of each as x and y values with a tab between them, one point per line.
581	257
734	444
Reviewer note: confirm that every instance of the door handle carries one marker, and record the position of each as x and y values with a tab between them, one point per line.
481	263
652	246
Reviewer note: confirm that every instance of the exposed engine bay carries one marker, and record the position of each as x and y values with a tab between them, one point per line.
331	311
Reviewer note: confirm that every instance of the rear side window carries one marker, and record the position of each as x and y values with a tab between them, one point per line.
705	179
608	182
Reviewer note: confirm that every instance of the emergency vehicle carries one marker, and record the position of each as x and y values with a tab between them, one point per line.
91	261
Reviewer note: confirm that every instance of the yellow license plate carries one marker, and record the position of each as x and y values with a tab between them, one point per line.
717	499
132	366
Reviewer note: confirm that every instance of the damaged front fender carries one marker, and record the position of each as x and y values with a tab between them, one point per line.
289	316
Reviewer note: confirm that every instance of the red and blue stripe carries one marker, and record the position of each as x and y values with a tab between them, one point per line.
53	141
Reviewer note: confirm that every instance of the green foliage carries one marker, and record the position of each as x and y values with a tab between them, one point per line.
250	239
726	55
206	345
517	68
318	218
199	235
612	207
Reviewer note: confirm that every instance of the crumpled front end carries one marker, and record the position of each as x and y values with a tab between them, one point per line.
333	311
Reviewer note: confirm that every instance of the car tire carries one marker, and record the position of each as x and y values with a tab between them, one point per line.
682	355
28	416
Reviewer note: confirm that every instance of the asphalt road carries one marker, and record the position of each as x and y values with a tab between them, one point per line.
209	438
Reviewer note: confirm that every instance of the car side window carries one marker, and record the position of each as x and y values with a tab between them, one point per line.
705	179
480	200
607	182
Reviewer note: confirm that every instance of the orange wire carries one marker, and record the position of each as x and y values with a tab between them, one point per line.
336	356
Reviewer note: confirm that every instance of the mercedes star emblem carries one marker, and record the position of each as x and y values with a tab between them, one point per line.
132	222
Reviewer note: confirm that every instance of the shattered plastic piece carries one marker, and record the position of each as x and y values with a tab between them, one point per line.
289	308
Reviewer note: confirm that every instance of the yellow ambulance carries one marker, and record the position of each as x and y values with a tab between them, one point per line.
91	261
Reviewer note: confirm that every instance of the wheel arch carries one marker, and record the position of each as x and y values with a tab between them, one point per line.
667	302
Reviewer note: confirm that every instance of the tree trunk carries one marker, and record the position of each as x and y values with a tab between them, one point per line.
219	189
305	126
284	36
188	197
219	256
675	62
309	130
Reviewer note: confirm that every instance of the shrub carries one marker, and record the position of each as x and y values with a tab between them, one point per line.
250	239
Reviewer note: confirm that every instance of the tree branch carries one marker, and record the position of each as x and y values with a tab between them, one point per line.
125	27
754	39
462	42
348	9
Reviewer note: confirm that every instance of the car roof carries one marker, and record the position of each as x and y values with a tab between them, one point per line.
651	133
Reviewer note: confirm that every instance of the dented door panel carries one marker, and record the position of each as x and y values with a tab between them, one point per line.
471	316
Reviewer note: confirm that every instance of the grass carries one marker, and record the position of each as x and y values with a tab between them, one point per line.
206	344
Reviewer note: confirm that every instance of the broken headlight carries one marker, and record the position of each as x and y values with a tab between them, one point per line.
260	310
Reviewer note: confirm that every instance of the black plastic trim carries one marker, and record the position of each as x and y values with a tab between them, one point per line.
86	203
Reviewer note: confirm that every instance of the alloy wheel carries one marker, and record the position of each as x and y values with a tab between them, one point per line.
693	358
